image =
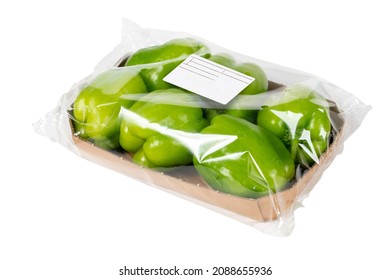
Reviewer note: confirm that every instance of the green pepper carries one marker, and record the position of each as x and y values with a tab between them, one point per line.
253	163
259	85
150	126
140	158
96	109
301	120
159	61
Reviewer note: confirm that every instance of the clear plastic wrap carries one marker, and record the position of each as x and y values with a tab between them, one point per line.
255	158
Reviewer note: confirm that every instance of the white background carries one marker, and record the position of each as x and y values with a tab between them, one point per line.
62	217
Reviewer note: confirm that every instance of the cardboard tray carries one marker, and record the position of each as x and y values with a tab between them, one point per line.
186	181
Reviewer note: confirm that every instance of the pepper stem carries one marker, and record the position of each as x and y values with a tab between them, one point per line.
294	148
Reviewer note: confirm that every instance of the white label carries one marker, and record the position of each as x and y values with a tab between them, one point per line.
208	79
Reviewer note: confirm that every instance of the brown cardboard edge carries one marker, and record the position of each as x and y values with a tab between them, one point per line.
242	206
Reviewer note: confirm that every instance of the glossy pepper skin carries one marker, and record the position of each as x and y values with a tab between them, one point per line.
259	85
151	129
159	61
301	120
252	164
96	109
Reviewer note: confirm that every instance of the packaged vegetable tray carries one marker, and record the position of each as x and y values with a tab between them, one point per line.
239	135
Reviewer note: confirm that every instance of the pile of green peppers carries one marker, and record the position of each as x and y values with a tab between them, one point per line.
248	153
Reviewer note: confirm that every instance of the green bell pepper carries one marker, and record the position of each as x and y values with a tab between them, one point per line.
259	85
253	163
150	127
97	107
301	120
159	61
